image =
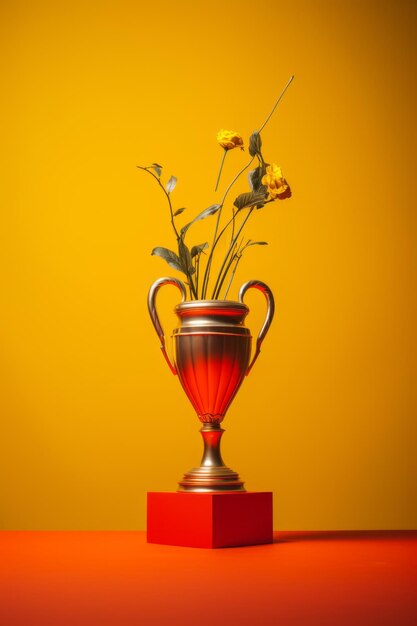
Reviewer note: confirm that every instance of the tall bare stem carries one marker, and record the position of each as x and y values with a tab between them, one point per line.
217	236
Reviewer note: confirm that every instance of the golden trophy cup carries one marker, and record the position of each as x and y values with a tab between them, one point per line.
212	356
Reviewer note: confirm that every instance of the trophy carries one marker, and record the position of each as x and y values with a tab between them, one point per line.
211	356
212	350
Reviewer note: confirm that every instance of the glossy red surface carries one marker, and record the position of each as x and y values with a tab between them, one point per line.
211	368
117	579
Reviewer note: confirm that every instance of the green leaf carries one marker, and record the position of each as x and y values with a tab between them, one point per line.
170	257
255	143
198	249
157	168
211	210
256	243
179	211
171	184
253	198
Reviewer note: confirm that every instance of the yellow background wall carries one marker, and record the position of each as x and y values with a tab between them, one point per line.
91	417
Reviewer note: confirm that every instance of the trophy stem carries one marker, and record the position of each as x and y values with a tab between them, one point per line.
212	475
212	434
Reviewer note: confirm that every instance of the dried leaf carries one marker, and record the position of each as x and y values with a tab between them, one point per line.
250	199
255	178
198	249
211	210
185	257
171	184
179	211
157	168
255	143
170	257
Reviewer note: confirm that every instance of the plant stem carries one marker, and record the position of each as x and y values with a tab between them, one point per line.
232	275
232	234
206	277
215	242
145	169
216	228
276	104
221	168
193	291
232	259
191	286
234	180
231	255
197	271
222	274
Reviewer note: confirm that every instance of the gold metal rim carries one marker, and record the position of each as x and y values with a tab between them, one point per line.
246	335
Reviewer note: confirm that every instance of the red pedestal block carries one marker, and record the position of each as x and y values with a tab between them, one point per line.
210	520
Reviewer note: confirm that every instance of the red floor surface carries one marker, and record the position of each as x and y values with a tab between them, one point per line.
116	578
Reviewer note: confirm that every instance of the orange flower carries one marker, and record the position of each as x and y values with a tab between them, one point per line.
275	182
228	139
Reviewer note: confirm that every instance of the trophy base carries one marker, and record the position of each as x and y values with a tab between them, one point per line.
211	480
210	520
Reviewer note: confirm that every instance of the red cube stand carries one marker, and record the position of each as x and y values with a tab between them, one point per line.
210	520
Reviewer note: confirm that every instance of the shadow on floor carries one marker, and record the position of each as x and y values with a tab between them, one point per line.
341	535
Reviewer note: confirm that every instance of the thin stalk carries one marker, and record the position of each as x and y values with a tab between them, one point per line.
221	276
232	276
191	286
209	260
232	259
193	292
236	256
227	269
223	230
216	228
232	234
145	169
221	168
276	104
234	180
197	271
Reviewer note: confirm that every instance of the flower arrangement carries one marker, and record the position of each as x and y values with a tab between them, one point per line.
267	184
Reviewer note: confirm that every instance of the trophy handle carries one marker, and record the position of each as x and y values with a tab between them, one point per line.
154	314
257	284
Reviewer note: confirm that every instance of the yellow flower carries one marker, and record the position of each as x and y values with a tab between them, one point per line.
228	139
275	182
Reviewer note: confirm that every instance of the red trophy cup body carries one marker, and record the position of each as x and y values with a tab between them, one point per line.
212	356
